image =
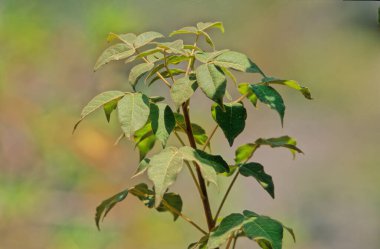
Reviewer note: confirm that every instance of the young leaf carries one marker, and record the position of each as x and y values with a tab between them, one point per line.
103	209
163	121
269	96
267	232
237	61
182	90
207	38
229	225
198	132
115	52
146	37
209	164
163	170
138	71
144	139
98	101
231	121
208	25
244	88
185	30
212	81
133	110
290	83
256	170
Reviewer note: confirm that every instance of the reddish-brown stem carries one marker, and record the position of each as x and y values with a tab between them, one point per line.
201	181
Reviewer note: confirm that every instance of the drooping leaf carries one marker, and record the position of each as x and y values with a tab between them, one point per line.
182	90
290	83
133	110
138	71
174	201
230	75
115	52
256	170
269	96
245	89
209	164
267	232
146	37
144	194
208	25
198	132
229	225
212	81
207	38
231	121
144	139
98	101
237	61
103	209
143	166
201	244
163	170
173	47
163	121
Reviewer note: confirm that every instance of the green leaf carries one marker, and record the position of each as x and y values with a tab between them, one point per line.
231	121
198	132
146	195
156	99
209	164
269	96
256	170
182	90
201	244
143	166
284	141
167	74
128	38
173	47
133	110
109	108
229	74
103	99
244	88
144	139
237	61
138	71
175	201
163	121
206	57
115	52
146	37
207	38
163	170
209	25
245	152
290	83
229	225
185	30
212	81
263	230
103	209
175	59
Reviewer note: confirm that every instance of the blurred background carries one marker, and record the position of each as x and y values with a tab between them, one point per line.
51	181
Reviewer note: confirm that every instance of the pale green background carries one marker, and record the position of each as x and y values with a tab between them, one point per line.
51	181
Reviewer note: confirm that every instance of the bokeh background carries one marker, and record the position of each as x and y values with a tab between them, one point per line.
51	181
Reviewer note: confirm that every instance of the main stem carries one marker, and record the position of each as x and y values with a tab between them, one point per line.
201	180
